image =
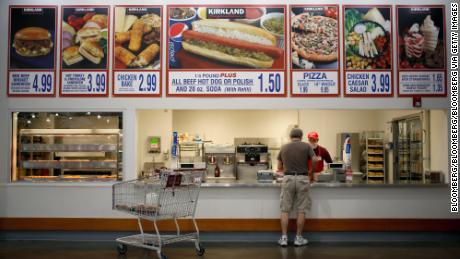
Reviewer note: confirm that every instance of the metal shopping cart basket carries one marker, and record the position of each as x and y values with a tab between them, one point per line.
167	196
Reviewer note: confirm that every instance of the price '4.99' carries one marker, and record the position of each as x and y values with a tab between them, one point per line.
43	83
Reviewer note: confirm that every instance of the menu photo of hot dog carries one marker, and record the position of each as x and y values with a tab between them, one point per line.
137	38
32	37
84	38
421	38
226	37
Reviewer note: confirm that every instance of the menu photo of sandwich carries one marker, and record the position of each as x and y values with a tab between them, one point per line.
223	37
137	38
84	38
314	37
32	38
421	37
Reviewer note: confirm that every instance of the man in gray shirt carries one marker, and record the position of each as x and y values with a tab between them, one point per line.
293	162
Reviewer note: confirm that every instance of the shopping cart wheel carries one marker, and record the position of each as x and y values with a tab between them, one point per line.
122	249
200	251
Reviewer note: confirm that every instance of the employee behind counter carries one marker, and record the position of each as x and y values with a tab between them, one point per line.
321	153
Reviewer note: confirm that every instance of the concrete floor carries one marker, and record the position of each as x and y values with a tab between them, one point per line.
103	249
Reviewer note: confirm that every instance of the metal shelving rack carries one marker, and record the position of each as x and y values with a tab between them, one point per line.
374	165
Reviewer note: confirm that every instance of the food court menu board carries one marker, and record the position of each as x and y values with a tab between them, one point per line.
31	51
315	50
137	51
421	51
231	50
367	50
84	50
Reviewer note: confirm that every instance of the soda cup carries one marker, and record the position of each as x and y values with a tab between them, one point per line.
175	42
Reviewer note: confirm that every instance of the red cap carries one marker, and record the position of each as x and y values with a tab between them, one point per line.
313	135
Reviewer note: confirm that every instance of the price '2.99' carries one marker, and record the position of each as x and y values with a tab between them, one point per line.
148	84
100	83
43	83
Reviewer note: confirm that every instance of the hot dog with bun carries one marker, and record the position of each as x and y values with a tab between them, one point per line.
232	42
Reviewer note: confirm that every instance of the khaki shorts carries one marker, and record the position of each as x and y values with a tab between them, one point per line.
295	193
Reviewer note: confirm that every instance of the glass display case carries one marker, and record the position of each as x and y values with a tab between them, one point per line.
411	145
67	146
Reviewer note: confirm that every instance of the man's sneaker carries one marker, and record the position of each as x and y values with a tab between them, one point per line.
283	241
300	241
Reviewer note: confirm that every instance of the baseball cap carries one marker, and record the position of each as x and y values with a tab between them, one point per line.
313	135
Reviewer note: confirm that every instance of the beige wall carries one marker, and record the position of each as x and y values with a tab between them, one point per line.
222	126
152	123
439	142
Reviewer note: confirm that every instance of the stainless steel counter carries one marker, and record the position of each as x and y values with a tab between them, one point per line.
254	184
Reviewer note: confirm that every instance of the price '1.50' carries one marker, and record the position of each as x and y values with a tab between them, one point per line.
43	83
274	83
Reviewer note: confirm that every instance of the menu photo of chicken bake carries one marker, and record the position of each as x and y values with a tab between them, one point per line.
84	38
314	37
226	37
32	37
421	37
137	38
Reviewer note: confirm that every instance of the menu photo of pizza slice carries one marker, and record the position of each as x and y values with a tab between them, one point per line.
314	37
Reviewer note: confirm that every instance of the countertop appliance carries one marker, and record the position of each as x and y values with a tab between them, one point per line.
252	153
195	165
338	172
251	159
265	176
220	162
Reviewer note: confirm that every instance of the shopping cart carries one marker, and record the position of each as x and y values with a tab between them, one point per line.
168	195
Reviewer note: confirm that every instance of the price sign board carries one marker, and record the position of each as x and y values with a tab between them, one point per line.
315	54
367	41
137	45
31	51
84	50
422	50
226	50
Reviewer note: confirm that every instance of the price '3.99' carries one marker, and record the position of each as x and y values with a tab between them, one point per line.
100	83
383	86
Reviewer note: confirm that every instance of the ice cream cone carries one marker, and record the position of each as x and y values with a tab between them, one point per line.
431	33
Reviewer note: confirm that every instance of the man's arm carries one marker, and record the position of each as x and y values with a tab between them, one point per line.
314	159
280	166
327	156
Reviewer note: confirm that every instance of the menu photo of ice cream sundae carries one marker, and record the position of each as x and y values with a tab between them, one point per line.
421	38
